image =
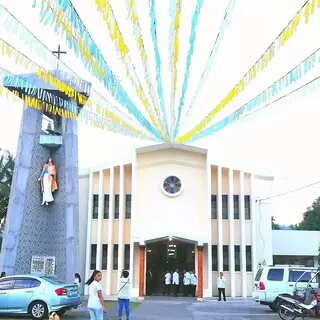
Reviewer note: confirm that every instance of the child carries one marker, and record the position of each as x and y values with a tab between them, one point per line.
124	294
95	302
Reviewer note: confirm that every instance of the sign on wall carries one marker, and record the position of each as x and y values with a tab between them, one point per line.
43	265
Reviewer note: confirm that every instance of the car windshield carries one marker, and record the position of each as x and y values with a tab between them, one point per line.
54	280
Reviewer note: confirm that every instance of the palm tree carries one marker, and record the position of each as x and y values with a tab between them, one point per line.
6	173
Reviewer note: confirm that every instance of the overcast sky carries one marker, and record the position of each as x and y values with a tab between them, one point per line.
281	139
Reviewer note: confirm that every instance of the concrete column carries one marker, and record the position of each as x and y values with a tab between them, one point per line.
253	226
88	244
219	216
200	273
231	234
243	238
99	224
122	198
110	233
142	260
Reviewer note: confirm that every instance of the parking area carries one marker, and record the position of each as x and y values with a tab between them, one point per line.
183	309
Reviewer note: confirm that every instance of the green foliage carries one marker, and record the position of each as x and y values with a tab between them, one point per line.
311	218
275	226
6	173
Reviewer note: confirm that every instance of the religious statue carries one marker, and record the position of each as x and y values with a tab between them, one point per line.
48	180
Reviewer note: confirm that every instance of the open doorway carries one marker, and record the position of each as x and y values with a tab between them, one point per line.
167	256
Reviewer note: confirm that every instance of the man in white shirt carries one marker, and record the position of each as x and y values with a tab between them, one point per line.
186	283
194	283
221	284
175	282
167	283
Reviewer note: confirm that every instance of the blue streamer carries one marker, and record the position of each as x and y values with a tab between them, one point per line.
192	40
158	61
109	79
284	82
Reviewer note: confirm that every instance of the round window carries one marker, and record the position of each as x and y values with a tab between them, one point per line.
172	186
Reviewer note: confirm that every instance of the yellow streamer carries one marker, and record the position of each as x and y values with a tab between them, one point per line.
105	9
264	60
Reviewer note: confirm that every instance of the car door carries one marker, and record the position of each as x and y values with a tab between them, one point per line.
21	293
5	286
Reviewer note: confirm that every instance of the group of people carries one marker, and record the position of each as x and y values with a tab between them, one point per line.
187	281
96	305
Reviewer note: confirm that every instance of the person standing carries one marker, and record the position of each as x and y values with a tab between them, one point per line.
167	283
194	283
95	302
186	283
175	282
149	277
124	294
221	284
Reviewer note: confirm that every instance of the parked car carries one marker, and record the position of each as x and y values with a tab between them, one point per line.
271	281
37	295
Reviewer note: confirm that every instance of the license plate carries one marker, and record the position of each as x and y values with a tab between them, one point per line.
73	293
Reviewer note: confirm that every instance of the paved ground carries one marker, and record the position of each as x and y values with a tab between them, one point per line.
185	309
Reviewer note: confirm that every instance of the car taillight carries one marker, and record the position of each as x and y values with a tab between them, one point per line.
262	286
61	292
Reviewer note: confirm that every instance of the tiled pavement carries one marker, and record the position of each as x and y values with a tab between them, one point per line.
168	308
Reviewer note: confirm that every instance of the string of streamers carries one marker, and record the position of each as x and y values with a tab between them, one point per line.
175	13
192	39
109	18
102	107
85	116
307	10
215	49
80	41
134	18
153	30
293	76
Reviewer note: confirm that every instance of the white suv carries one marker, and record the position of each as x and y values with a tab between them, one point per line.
270	281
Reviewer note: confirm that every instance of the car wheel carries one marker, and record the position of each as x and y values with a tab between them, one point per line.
38	310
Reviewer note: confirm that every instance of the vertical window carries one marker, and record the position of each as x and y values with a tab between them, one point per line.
116	206
247	207
237	258
93	261
115	256
236	207
224	206
127	256
214	253
106	206
128	206
95	206
225	258
213	206
248	258
104	256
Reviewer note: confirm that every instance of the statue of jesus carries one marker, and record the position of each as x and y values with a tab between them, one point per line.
48	180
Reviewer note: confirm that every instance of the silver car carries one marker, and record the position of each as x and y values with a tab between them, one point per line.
37	296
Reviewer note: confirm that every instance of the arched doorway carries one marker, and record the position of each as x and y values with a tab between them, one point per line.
167	255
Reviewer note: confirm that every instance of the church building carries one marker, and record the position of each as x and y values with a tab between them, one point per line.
173	207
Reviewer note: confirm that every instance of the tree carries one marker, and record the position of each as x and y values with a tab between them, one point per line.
275	226
6	173
311	218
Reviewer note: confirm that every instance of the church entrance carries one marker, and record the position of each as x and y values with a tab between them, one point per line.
167	256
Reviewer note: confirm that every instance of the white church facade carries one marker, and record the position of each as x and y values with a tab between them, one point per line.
172	206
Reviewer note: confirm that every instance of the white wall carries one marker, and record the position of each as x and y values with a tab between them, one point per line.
295	243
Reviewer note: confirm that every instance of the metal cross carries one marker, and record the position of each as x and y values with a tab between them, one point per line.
58	53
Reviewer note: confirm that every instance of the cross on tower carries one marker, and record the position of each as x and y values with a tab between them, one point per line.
58	53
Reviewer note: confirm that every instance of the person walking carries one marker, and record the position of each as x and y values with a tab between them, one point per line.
124	294
95	302
221	284
175	282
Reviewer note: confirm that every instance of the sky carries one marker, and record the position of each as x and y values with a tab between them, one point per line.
280	139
